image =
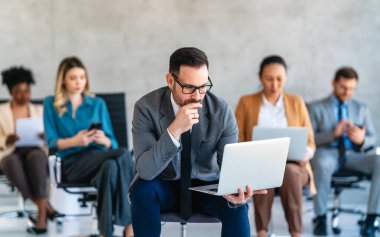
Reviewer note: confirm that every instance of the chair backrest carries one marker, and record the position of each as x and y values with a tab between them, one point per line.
36	101
116	107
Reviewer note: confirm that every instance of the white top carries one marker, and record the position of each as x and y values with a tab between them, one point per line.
273	116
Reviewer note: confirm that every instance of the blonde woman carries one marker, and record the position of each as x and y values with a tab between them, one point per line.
89	152
272	107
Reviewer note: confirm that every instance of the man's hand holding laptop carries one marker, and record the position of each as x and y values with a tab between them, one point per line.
242	197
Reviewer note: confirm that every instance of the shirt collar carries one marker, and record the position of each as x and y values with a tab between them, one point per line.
278	104
88	101
335	101
174	104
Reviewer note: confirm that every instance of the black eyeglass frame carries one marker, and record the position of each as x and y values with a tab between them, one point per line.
194	88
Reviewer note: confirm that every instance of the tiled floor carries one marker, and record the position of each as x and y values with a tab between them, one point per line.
80	226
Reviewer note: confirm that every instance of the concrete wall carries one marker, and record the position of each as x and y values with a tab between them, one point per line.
126	44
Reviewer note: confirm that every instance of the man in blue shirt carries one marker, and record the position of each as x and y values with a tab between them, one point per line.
343	132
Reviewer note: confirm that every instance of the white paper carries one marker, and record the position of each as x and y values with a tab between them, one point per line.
28	130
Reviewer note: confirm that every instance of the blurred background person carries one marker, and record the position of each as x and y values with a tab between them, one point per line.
272	107
343	132
25	167
89	153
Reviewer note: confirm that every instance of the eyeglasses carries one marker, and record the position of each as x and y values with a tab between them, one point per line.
189	89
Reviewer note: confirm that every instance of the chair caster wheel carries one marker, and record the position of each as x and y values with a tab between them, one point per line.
336	230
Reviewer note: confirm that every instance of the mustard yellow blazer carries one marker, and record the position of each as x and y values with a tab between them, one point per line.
247	115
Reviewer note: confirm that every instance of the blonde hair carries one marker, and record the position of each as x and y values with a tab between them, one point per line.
60	98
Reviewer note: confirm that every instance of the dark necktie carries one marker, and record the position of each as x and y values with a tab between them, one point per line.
185	201
341	145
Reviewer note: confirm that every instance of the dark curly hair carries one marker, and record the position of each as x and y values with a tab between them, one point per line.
16	75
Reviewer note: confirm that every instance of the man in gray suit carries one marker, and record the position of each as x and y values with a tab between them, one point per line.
343	132
179	133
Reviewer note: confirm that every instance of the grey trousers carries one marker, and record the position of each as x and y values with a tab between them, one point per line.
26	168
111	172
325	163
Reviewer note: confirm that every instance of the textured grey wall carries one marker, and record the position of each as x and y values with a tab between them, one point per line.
126	44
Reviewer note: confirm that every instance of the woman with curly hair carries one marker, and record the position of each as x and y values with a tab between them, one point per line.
25	167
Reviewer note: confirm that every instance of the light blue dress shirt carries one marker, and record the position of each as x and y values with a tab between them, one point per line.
92	110
335	102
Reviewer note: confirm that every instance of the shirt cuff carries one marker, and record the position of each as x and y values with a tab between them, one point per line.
231	205
310	151
176	143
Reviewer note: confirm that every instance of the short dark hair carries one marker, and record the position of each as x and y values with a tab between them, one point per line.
271	59
15	75
188	56
347	73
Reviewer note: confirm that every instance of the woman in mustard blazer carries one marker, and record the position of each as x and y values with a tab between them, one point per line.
272	107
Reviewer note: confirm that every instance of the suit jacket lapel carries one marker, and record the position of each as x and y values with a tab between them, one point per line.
351	113
330	110
166	111
167	117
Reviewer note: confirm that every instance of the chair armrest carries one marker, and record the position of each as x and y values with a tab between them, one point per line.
55	170
377	150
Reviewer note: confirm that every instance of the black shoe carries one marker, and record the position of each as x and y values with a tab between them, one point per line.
55	215
368	228
36	231
320	226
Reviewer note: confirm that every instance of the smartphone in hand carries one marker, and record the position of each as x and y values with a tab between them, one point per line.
359	126
97	126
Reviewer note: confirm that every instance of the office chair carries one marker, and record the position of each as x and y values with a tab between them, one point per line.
195	218
21	211
116	107
346	179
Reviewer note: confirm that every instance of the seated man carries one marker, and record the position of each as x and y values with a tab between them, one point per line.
179	133
343	132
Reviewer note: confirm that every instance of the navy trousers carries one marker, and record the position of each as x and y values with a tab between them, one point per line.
150	198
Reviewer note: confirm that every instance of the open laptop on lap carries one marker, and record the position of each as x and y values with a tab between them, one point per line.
298	139
260	164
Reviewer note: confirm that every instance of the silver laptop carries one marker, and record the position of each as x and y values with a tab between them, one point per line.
260	164
298	139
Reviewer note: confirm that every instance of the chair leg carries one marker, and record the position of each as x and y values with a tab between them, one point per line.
183	229
21	212
94	221
335	215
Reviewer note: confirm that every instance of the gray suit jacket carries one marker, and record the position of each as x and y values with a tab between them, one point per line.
324	122
154	149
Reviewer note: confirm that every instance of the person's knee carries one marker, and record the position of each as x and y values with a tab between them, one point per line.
37	155
143	190
323	166
110	167
10	162
292	169
121	151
